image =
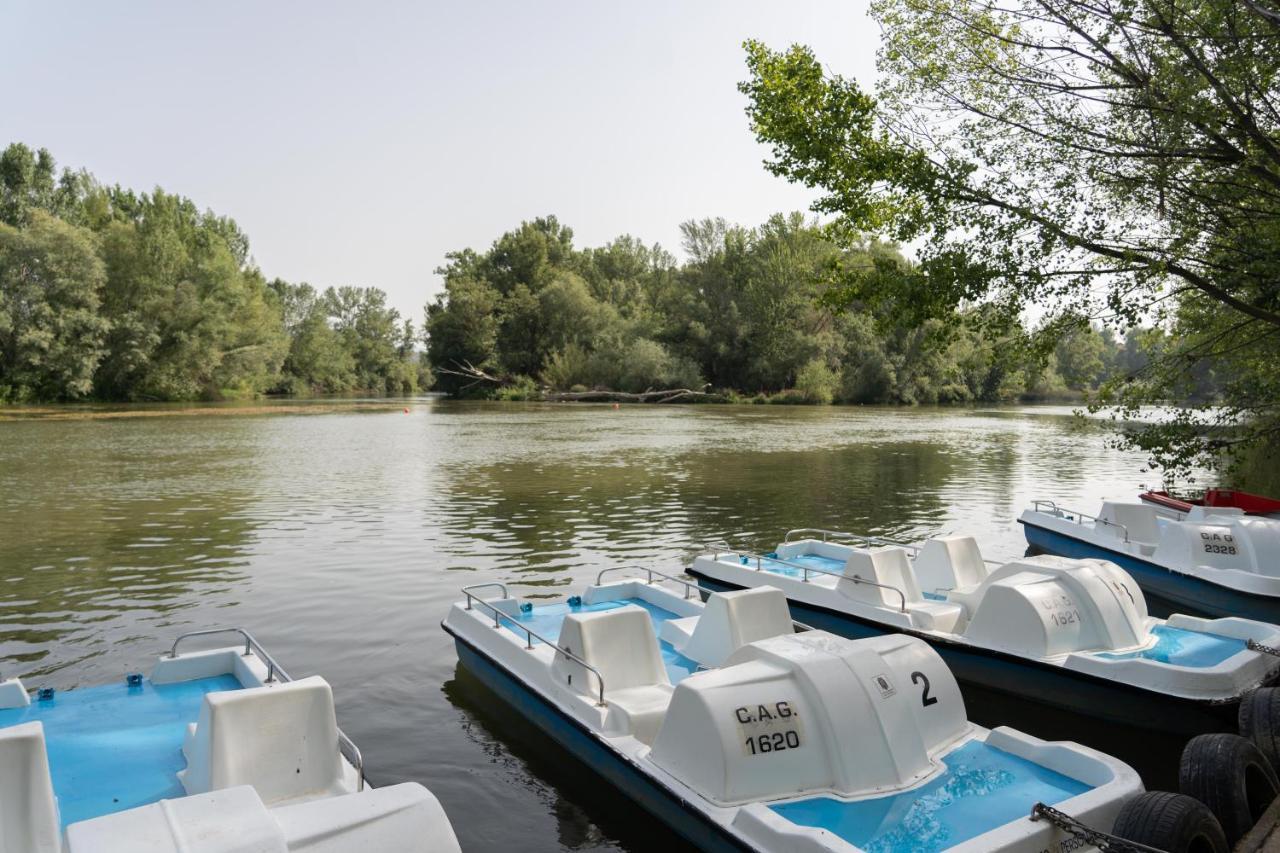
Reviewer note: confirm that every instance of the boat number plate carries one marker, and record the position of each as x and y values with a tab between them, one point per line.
768	727
1217	543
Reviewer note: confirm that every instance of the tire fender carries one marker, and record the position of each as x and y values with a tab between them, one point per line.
1171	822
1259	721
1229	775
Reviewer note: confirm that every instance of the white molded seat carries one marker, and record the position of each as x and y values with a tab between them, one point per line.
622	646
282	739
406	818
28	811
232	820
937	615
1135	522
949	562
619	643
13	694
733	619
678	631
888	567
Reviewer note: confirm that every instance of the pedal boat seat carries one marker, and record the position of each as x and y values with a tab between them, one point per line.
404	817
622	645
729	621
877	576
281	738
1131	522
28	810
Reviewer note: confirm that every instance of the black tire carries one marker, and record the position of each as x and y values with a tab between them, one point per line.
1259	721
1171	822
1229	775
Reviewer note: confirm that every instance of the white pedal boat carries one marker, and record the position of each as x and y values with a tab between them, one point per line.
1067	634
218	751
743	735
1215	561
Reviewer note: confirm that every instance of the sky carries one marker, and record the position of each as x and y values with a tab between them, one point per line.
357	143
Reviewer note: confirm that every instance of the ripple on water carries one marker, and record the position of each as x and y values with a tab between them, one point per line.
341	538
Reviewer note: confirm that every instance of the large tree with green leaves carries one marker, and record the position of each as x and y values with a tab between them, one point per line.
51	332
1114	161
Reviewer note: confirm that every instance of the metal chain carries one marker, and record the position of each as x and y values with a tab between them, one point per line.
1255	646
1101	840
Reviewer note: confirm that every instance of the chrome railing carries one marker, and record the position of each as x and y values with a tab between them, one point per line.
1075	515
275	672
876	540
805	571
844	534
499	617
251	646
467	589
689	586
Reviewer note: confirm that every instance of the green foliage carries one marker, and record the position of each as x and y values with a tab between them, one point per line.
1113	163
119	295
750	309
817	382
51	335
520	388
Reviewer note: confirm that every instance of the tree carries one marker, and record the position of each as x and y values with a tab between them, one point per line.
189	320
317	361
51	332
1116	162
462	333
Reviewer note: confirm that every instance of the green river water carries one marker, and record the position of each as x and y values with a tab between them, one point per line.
340	538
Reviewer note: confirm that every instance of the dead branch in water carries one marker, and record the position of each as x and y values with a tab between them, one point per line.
468	370
670	395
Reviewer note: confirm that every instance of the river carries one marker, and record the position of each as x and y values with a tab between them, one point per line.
341	537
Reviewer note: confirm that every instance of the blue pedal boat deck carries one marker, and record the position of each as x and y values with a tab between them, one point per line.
742	734
116	746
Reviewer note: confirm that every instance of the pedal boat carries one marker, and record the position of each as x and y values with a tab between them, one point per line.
1056	633
218	751
1171	506
1212	561
742	734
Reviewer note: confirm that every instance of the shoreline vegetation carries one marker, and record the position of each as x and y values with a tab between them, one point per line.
109	295
121	411
747	316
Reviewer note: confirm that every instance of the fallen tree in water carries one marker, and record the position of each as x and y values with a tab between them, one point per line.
477	376
670	395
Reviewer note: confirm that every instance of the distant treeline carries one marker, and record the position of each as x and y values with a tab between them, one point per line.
744	314
110	294
106	293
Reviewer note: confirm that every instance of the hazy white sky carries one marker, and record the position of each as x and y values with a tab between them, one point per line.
356	143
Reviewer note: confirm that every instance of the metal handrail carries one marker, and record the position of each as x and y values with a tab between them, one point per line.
499	616
251	646
689	587
861	537
275	672
501	586
844	534
857	579
1076	516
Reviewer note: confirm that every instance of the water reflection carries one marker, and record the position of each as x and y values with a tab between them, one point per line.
91	556
588	814
341	538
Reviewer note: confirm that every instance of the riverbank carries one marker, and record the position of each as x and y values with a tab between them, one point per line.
91	412
785	397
